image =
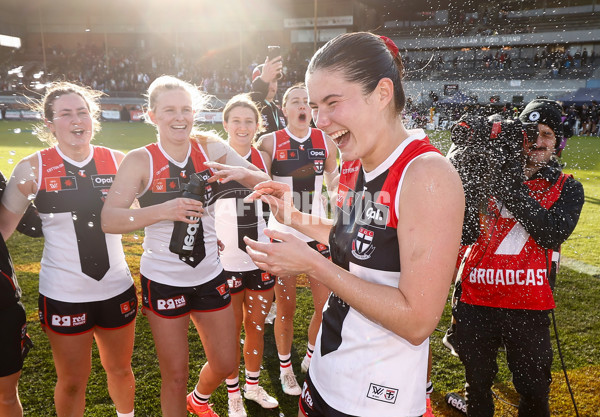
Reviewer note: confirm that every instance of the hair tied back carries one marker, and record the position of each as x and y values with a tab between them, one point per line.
391	46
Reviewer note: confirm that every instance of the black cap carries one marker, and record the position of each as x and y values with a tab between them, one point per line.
548	112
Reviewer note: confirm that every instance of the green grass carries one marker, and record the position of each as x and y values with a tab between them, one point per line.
577	314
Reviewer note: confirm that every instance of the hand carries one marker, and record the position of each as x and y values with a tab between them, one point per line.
221	245
289	257
272	69
225	173
279	198
510	178
185	210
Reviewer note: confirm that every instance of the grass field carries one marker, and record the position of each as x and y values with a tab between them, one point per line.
577	314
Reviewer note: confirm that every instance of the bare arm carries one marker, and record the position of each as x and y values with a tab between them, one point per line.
429	227
118	216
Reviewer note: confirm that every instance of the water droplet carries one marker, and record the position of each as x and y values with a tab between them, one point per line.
135	236
51	215
250	297
17	130
131	218
10	161
255	352
90	224
264	313
149	250
13	153
242	341
258	328
74	216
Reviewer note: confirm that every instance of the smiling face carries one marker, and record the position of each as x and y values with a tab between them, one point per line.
343	111
241	126
173	115
71	124
295	108
538	153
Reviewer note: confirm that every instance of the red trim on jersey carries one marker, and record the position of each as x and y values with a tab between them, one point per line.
257	160
387	196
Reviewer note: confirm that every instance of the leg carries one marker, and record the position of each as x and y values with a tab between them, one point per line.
530	363
478	338
285	293
10	405
320	294
73	361
255	303
237	301
170	338
116	347
217	333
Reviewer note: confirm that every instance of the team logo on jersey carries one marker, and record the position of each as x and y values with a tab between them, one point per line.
362	244
287	154
301	146
319	166
316	154
102	180
82	173
182	174
374	214
166	185
61	183
382	393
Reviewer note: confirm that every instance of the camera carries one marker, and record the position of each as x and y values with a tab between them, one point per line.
488	154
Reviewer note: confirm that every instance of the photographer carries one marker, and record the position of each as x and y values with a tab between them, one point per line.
508	274
264	88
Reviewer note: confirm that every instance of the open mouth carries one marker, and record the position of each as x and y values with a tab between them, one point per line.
78	132
340	136
302	117
179	127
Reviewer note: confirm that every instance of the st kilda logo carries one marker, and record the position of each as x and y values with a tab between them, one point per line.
319	166
362	244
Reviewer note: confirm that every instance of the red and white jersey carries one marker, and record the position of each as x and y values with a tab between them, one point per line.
80	263
166	182
505	267
300	163
236	219
383	374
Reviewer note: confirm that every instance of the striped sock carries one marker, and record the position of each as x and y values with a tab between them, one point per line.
429	388
310	349
285	362
200	399
252	380
233	387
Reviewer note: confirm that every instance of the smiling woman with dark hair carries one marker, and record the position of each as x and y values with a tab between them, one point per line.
394	238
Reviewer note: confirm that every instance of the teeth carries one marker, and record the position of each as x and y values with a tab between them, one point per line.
178	127
338	134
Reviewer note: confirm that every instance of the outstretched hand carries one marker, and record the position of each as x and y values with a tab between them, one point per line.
288	257
225	173
278	196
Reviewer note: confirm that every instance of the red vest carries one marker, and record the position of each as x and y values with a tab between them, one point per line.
506	268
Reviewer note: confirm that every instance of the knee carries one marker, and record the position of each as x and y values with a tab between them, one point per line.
224	365
8	400
118	371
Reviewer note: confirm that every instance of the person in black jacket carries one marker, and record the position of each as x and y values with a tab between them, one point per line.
264	89
13	331
508	274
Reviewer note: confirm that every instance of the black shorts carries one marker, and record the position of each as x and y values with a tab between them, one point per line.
169	301
255	280
13	328
312	404
77	318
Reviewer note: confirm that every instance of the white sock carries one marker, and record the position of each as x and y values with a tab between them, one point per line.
125	414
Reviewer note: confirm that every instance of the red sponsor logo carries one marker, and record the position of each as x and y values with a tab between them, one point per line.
321	247
265	276
222	289
282	155
125	308
165	185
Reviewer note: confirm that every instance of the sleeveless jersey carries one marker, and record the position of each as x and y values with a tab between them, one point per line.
505	267
383	374
167	180
80	263
236	219
300	162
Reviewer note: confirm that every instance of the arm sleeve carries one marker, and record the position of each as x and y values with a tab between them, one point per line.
216	149
548	227
12	198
